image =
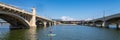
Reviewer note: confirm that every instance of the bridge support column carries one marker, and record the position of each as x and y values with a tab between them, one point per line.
45	24
50	24
94	24
88	24
101	25
54	23
105	24
118	25
33	19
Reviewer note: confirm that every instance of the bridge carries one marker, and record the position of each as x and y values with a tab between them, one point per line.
70	22
105	21
20	18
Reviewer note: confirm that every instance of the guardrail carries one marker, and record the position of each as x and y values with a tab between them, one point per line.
14	8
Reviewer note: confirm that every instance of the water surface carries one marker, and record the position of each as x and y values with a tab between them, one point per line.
62	32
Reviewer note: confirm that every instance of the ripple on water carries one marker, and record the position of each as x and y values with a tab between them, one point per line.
63	32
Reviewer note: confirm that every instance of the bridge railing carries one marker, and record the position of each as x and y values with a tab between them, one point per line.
13	8
44	18
19	10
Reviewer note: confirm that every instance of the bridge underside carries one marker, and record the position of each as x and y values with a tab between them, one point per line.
114	20
19	18
14	21
41	23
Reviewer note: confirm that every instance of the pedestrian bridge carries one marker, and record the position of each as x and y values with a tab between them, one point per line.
19	18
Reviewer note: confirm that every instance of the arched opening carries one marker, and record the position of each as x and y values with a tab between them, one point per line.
113	22
49	23
39	23
3	24
90	23
15	21
98	23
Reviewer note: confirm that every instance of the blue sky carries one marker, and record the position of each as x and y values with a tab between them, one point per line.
76	9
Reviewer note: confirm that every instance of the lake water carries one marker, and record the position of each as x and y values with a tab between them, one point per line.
59	32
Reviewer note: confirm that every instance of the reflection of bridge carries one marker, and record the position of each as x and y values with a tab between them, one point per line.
19	18
106	21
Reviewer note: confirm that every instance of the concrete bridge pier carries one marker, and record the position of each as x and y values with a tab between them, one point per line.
88	24
94	24
45	24
118	25
50	24
101	25
105	24
54	23
33	19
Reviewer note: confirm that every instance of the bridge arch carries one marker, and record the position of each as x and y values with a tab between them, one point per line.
15	20
113	20
39	23
99	21
43	23
90	21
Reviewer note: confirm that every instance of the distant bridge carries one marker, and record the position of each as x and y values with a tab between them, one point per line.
19	18
105	21
70	22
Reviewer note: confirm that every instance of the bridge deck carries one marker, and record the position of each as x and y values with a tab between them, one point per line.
21	10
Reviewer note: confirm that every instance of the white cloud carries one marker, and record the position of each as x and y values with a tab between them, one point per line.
88	19
67	18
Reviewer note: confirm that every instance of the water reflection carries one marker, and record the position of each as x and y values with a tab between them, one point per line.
22	34
43	32
31	34
3	33
60	32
